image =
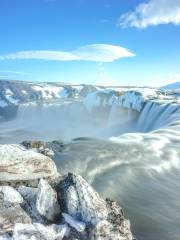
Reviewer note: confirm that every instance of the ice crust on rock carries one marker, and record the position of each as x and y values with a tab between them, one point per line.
47	203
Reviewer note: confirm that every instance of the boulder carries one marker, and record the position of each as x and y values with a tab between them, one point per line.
19	166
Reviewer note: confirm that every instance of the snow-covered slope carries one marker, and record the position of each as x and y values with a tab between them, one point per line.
172	86
14	93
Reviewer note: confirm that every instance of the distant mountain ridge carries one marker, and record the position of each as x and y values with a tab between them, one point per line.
172	86
13	93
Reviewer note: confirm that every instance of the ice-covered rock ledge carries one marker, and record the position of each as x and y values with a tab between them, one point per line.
59	207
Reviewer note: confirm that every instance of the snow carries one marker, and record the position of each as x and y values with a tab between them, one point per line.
129	99
9	96
50	91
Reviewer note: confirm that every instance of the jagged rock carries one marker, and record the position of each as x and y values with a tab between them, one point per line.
19	166
104	219
81	201
29	203
38	231
10	214
47	203
9	194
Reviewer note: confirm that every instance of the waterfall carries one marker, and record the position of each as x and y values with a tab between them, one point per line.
156	115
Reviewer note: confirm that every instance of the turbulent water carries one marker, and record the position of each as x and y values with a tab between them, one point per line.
131	157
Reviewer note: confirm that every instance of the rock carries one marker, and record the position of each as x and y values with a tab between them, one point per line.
47	203
38	231
38	146
81	201
79	226
19	166
29	203
9	194
104	219
10	214
50	149
105	230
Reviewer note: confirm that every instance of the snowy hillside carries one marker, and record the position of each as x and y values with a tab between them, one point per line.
15	93
172	86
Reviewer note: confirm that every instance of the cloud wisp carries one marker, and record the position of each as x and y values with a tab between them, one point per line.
152	13
94	52
14	72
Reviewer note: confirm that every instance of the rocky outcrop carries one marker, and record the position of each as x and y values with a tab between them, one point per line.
57	207
74	211
19	166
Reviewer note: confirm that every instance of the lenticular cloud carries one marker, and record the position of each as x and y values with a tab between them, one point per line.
94	52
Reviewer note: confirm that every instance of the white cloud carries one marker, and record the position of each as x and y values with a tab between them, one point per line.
152	13
95	52
40	54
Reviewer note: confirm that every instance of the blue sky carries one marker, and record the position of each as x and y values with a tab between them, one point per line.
111	42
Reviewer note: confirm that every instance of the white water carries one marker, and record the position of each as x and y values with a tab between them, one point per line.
138	164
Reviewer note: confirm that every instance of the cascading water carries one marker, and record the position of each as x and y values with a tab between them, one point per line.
135	160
